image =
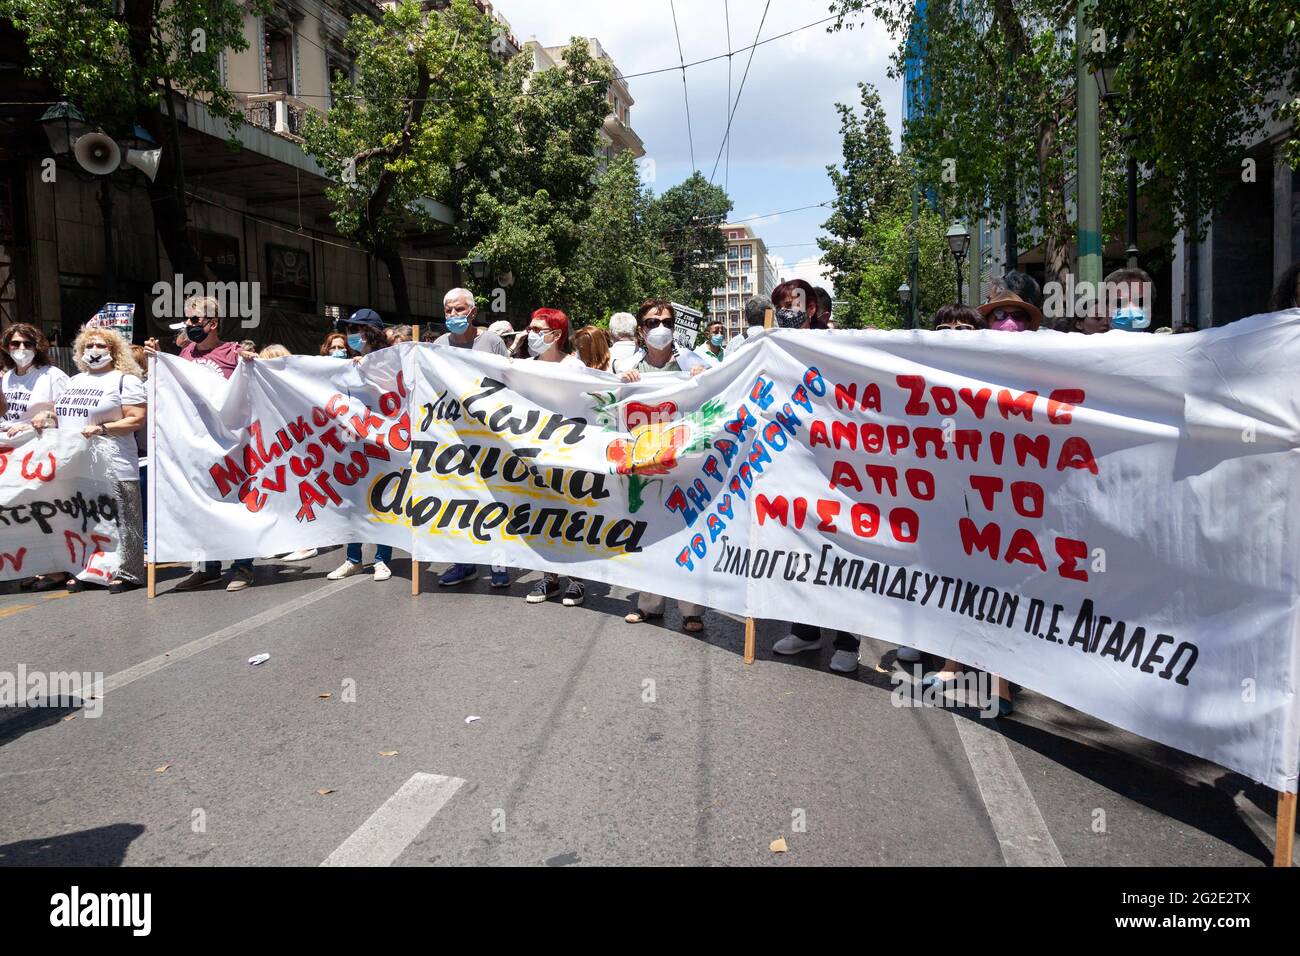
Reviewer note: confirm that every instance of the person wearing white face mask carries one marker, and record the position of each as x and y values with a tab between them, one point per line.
31	385
106	403
655	319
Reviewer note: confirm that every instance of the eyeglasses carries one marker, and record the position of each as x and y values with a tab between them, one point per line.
196	319
961	326
652	323
19	343
1013	314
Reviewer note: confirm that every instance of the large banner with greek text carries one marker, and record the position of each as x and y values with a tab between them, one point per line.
1109	520
58	508
280	457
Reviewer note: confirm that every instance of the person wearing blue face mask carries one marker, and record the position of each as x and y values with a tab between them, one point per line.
459	308
1128	293
365	332
713	350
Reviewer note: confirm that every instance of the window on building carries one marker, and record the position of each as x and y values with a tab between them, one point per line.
746	252
733	252
747	266
734	302
279	59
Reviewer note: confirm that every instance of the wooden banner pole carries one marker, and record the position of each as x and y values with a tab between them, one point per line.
1284	850
751	628
415	565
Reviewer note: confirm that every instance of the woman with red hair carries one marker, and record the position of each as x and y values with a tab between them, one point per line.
549	341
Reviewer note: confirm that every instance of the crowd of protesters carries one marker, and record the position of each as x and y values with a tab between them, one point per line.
106	401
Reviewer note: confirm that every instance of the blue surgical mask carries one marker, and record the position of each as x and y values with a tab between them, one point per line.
716	339
356	343
1130	318
456	324
338	353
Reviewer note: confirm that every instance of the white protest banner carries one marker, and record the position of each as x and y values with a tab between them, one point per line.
277	458
1108	520
58	511
119	316
1111	521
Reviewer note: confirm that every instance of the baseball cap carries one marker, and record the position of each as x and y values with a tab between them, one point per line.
365	317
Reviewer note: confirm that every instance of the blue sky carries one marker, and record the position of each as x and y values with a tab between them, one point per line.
785	130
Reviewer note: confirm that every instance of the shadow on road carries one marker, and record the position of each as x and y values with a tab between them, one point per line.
101	846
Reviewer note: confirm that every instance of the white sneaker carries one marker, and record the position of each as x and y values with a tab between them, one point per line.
382	573
908	655
846	662
795	645
302	554
344	570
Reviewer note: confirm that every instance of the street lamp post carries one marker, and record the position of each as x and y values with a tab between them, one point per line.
1105	76
905	300
958	242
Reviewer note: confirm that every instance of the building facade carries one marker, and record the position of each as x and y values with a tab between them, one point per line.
616	135
749	273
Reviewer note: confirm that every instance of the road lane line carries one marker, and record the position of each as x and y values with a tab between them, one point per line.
399	820
1018	823
201	644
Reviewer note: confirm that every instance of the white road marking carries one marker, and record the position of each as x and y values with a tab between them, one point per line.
402	817
1018	823
201	644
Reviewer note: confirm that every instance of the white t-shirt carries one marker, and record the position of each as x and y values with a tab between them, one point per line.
97	399
33	392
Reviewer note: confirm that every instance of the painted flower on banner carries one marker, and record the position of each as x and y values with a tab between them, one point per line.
656	440
652	438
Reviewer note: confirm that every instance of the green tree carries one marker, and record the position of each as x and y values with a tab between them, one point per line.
525	194
121	61
619	262
999	117
686	218
868	187
421	103
1199	80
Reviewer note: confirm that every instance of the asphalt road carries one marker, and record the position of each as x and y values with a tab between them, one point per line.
597	742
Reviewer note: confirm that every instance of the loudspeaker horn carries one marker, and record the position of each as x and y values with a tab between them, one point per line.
145	160
97	153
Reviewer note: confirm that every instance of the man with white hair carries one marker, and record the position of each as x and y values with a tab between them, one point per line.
459	310
623	353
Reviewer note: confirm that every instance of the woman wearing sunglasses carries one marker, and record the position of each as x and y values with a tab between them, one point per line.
655	324
31	385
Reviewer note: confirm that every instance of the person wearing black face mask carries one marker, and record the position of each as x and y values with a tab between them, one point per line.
205	348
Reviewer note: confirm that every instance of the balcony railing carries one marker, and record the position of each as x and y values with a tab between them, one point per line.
281	113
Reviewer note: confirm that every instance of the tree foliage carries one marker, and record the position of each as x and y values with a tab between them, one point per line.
686	218
999	125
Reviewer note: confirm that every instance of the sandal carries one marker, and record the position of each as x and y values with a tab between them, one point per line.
693	624
49	582
75	585
638	617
